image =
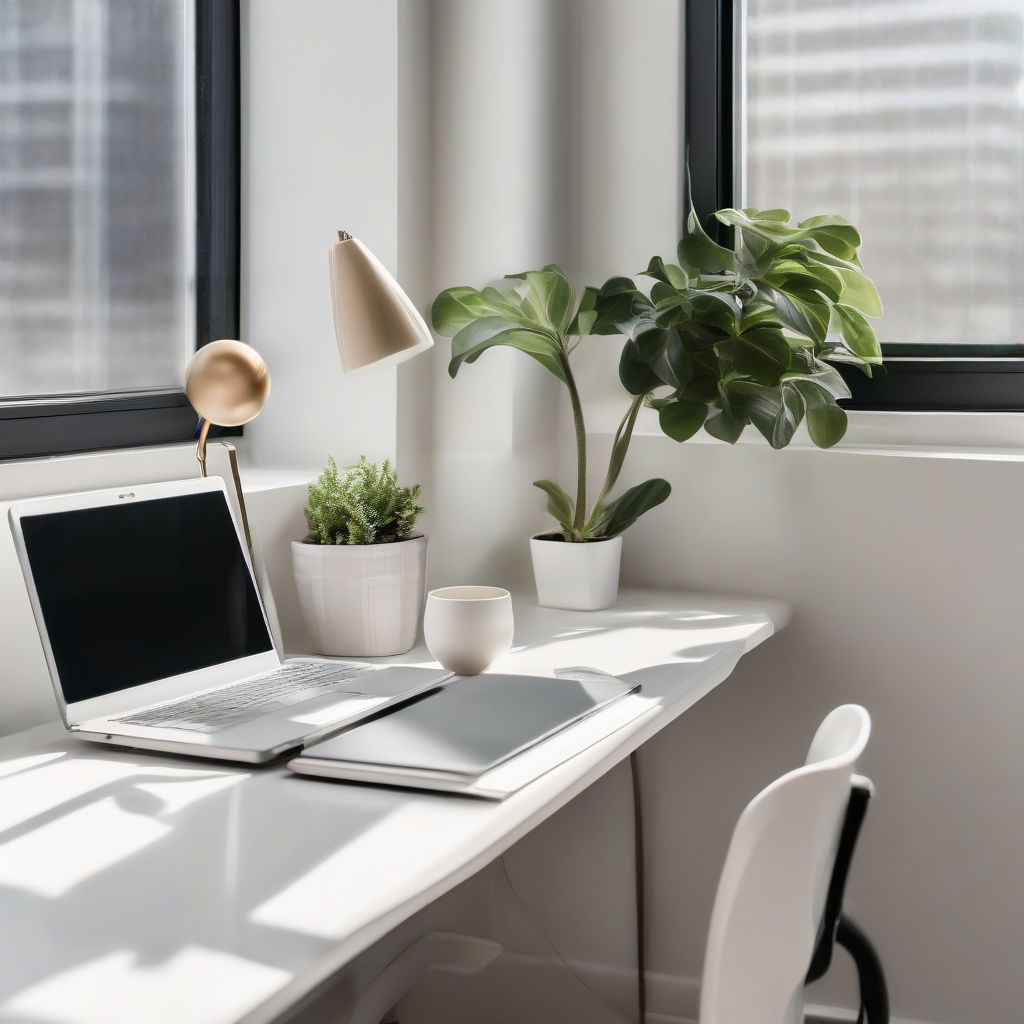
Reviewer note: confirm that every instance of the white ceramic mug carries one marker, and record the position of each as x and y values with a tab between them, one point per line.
466	628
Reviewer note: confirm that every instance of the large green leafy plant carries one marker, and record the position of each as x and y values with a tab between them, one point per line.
723	338
728	337
362	504
537	313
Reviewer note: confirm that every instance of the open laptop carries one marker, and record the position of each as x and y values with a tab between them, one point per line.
155	635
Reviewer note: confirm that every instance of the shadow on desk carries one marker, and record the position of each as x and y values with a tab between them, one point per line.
81	829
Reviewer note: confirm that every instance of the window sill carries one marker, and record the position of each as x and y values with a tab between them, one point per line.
998	435
24	478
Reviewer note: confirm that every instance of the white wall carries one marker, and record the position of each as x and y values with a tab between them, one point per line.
496	184
319	153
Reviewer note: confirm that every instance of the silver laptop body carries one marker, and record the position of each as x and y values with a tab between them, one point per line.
156	638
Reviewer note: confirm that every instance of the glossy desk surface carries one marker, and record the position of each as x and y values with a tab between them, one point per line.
137	887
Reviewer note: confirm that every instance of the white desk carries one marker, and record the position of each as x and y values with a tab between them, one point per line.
142	888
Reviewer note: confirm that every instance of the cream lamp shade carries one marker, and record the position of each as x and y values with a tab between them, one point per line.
375	322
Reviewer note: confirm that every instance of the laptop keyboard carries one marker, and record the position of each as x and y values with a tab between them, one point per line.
252	698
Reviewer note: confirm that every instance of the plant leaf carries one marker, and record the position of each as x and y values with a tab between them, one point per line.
787	273
586	314
635	373
858	334
775	412
667	274
715	309
620	445
800	308
625	510
725	425
826	377
762	353
673	366
697	249
859	291
681	419
559	504
782	216
551	294
456	307
475	338
826	421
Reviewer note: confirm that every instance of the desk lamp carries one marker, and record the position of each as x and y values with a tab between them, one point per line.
228	384
375	323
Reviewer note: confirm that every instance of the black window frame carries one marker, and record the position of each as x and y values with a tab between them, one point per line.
74	425
961	378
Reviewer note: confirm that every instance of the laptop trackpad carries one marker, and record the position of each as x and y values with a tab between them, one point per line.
361	697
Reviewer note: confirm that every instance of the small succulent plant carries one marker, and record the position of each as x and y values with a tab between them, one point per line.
362	504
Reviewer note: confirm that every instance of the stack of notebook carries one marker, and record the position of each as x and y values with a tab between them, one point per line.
462	737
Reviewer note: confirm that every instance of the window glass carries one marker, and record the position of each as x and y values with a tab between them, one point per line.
908	118
95	207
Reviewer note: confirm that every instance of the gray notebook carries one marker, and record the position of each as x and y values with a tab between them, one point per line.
458	733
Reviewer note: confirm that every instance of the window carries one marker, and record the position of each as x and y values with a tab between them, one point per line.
907	118
118	215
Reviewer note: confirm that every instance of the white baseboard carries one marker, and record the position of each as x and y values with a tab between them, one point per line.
671	999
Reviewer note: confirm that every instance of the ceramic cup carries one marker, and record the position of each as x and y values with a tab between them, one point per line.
466	628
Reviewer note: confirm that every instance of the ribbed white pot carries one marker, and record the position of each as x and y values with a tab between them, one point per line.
582	577
361	600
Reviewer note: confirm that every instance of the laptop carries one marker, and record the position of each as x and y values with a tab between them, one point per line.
457	739
156	638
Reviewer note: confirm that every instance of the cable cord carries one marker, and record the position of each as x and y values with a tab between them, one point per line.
640	896
555	950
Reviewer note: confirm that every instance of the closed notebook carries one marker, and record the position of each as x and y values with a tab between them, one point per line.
458	733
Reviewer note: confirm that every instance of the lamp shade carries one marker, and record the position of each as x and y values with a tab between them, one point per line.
375	322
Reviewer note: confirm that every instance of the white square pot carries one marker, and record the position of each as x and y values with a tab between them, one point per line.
583	577
361	600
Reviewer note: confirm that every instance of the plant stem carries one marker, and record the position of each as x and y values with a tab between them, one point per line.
620	445
581	450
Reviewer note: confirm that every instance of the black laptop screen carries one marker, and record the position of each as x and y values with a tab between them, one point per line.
142	590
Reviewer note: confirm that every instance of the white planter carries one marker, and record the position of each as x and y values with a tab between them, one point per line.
361	600
583	577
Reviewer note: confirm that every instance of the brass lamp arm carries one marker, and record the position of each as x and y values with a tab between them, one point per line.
235	477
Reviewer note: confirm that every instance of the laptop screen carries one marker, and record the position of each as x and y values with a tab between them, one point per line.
135	592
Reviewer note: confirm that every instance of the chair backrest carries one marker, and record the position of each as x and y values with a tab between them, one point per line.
771	895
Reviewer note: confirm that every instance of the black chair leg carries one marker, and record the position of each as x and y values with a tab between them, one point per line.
874	993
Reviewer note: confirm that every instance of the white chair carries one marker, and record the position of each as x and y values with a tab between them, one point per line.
780	894
778	907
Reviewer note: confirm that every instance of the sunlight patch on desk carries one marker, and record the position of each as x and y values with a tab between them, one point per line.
353	877
176	794
33	793
54	858
578	631
627	649
20	764
197	985
702	616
